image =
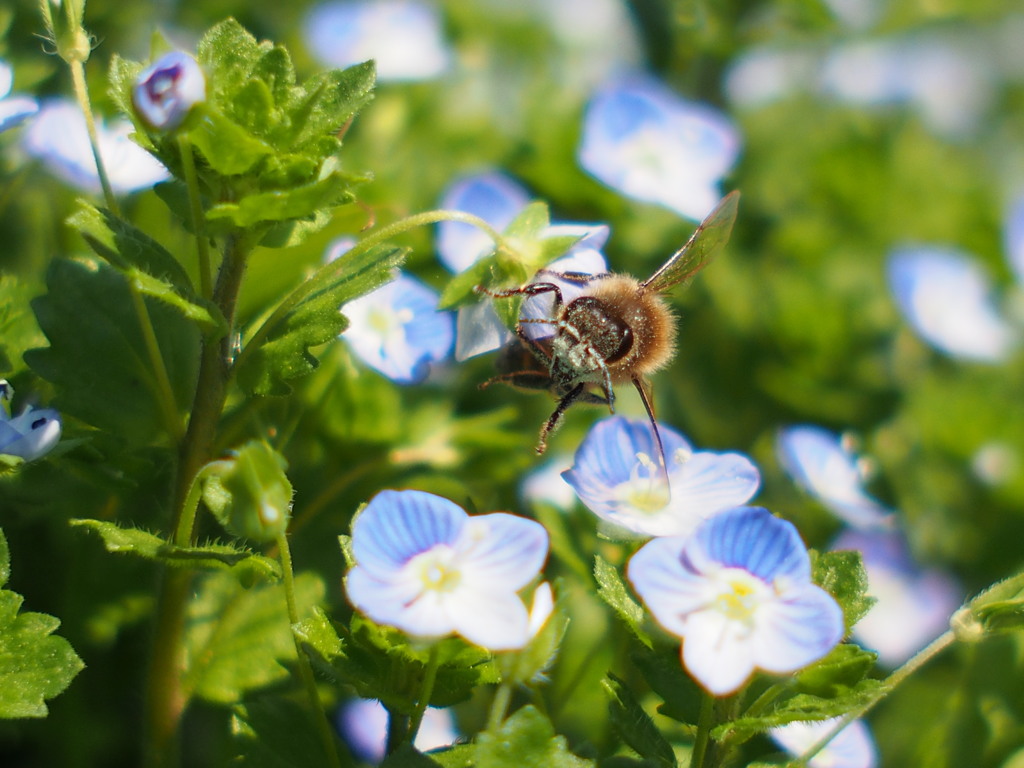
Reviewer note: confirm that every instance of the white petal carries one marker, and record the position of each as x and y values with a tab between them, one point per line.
718	652
502	551
492	619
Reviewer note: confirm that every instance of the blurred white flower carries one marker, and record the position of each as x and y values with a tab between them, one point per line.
852	747
765	75
403	37
821	464
363	724
58	137
914	605
546	485
946	296
647	142
13	109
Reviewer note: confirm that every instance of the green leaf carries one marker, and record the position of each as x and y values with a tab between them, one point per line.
612	590
526	740
634	726
286	204
459	290
249	493
210	557
97	357
238	640
275	732
283	354
228	148
842	574
530	223
19	331
332	98
35	664
407	756
663	670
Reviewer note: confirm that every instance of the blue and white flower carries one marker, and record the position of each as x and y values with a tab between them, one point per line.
946	297
913	605
822	464
58	137
498	199
1013	237
427	568
404	37
852	747
13	109
643	140
739	594
617	475
166	90
363	724
29	435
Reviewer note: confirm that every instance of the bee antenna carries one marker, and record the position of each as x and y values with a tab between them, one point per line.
649	407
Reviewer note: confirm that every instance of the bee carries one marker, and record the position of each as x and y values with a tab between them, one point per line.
617	329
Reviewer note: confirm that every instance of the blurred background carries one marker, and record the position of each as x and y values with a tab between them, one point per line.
874	287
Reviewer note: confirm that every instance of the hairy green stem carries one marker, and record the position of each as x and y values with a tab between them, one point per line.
499	707
383	234
164	390
305	671
426	691
188	165
705	721
165	700
910	667
82	96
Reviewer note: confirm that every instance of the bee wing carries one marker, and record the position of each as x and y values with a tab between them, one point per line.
709	238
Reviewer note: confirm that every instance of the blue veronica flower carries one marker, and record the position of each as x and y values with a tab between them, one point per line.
398	330
643	140
616	475
820	463
498	199
739	594
913	605
166	90
946	296
403	37
13	109
58	137
852	747
363	724
427	568
29	435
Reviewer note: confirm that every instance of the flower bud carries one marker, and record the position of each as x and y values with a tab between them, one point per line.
167	89
249	493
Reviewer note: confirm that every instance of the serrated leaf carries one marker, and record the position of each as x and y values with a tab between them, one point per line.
35	664
332	98
283	354
97	357
19	330
612	590
634	726
286	204
276	733
526	740
663	670
210	557
842	574
460	291
228	148
844	667
238	640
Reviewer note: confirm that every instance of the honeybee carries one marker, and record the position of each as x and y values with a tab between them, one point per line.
618	329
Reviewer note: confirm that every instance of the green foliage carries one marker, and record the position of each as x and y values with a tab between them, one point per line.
842	574
249	493
282	351
35	664
612	589
275	733
18	328
635	726
525	740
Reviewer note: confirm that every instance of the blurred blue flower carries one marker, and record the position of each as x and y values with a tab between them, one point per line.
398	330
363	724
29	435
914	605
498	199
427	568
13	109
820	463
852	747
545	484
166	90
58	137
616	474
946	297
643	140
739	594
1013	238
404	37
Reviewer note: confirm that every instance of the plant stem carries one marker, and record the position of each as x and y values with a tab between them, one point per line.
429	677
921	658
705	720
384	234
305	671
499	706
165	700
188	164
164	390
82	96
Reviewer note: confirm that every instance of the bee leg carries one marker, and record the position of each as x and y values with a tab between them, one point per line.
521	380
530	289
555	419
